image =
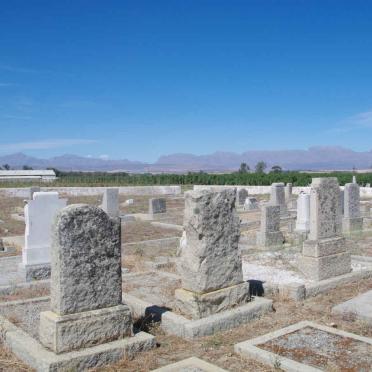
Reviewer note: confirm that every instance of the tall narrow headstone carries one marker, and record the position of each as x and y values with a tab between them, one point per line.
324	253
210	263
86	294
354	180
288	192
270	235
110	202
157	206
242	195
303	213
352	220
39	215
277	197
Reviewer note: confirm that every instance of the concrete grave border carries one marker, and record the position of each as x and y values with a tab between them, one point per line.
180	326
192	362
249	349
32	353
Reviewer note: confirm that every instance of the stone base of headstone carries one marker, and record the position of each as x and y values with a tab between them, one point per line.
350	225
321	268
269	239
196	306
63	333
34	272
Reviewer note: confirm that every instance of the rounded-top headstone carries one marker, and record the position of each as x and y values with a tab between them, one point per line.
86	260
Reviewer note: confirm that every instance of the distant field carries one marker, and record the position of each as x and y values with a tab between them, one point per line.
255	179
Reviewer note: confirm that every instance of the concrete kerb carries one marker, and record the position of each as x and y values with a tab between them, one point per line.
178	325
190	364
300	291
250	350
167	225
10	289
31	352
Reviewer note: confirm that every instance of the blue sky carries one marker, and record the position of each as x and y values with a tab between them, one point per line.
139	79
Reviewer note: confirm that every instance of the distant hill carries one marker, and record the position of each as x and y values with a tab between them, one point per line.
315	158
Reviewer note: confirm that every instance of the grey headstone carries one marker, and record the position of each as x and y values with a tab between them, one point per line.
242	195
210	258
110	202
86	260
157	206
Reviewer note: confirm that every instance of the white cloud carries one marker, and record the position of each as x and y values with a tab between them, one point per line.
362	120
44	144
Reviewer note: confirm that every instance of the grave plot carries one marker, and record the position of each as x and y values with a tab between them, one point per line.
307	346
84	323
211	295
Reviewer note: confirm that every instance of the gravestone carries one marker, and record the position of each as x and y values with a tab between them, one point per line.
251	204
277	197
354	180
303	213
86	294
39	215
157	206
288	192
270	235
110	202
32	191
242	195
352	220
209	262
324	253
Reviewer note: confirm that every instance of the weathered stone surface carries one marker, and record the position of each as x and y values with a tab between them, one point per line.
86	260
270	234
324	247
157	206
198	306
251	204
303	213
75	331
320	268
324	254
86	306
242	195
34	272
324	208
352	220
277	197
110	202
210	258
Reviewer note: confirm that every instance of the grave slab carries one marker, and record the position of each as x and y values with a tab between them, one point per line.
359	307
310	347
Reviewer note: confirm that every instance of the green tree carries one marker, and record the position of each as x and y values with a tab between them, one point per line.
244	168
276	169
26	167
260	167
6	166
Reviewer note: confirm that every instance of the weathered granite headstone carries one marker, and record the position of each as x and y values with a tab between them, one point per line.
270	235
324	254
242	195
157	206
39	215
209	260
352	220
277	197
86	295
303	213
251	204
110	202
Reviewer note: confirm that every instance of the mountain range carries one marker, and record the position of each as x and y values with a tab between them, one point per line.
314	158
